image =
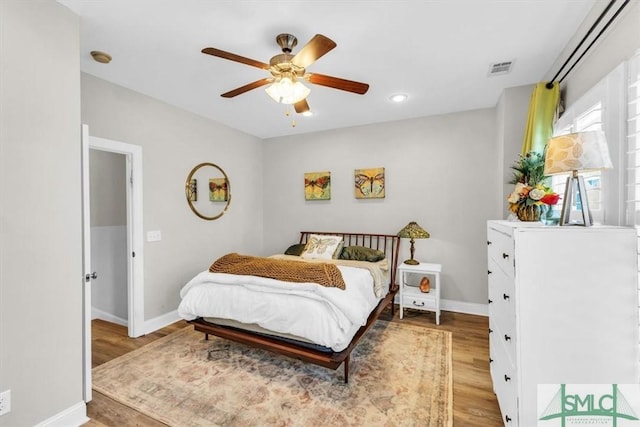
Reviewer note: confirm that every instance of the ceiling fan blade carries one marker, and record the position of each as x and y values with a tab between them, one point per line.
233	57
317	47
337	83
246	88
301	106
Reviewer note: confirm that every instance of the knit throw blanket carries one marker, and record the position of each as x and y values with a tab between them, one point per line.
289	271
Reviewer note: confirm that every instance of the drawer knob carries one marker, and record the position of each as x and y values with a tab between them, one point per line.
490	330
490	301
490	360
507	418
421	304
505	255
505	296
507	337
488	271
488	242
507	378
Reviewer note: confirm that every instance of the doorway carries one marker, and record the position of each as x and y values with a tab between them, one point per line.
134	241
109	254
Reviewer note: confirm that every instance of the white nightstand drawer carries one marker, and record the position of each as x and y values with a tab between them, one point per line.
412	297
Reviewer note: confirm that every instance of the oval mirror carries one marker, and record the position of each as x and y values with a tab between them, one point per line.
208	191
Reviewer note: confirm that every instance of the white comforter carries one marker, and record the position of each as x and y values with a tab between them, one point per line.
326	316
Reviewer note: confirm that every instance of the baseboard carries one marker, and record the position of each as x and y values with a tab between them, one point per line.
161	321
108	317
73	416
464	307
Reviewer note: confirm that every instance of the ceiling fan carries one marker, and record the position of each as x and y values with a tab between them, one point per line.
288	70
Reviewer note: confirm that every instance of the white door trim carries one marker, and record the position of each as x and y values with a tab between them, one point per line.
135	235
135	242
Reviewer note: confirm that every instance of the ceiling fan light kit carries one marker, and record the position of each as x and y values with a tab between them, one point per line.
287	91
287	70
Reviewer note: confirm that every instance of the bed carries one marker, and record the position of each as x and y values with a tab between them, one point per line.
313	323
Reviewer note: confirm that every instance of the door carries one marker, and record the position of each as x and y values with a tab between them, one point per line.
86	267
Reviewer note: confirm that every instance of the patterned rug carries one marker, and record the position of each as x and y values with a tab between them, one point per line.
400	375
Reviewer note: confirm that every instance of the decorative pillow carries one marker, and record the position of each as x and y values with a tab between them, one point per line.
361	253
321	246
295	249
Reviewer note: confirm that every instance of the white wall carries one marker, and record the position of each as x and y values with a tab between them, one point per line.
173	142
40	206
441	171
616	45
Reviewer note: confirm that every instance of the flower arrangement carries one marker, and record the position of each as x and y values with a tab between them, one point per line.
531	195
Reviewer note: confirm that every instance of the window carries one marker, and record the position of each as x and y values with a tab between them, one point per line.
633	143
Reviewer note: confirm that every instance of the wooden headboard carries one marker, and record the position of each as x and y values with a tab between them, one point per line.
387	243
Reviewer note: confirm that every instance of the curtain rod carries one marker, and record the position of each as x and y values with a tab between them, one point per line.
549	85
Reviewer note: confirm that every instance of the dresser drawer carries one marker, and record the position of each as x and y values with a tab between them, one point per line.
501	250
503	375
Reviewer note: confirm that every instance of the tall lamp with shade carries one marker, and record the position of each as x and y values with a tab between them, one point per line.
413	231
573	153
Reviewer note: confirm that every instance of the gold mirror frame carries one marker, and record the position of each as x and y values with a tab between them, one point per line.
187	191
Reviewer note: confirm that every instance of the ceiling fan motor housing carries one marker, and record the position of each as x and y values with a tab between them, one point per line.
286	42
281	65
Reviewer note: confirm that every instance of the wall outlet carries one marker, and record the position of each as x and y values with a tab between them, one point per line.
5	402
154	236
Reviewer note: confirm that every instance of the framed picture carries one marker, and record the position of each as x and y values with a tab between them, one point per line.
369	183
193	190
218	189
317	185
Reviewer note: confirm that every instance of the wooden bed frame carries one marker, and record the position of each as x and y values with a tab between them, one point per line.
387	243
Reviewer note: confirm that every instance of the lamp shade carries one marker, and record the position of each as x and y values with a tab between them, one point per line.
413	231
287	91
582	151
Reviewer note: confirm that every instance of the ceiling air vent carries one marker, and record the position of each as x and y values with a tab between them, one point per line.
499	68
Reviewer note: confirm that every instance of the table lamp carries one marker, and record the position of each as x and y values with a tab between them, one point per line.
573	153
413	231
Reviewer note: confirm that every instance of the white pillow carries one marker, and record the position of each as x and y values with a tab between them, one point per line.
320	246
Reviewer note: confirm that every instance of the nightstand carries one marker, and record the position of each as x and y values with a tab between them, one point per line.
412	297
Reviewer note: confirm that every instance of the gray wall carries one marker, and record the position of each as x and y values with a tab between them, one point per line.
511	116
173	141
108	188
40	228
109	299
441	171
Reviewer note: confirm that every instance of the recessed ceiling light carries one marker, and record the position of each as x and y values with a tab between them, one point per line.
399	97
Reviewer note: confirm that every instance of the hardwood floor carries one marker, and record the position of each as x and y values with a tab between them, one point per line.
474	403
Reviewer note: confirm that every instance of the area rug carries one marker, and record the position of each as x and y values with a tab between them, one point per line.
400	375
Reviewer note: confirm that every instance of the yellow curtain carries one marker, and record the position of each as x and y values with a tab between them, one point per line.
542	111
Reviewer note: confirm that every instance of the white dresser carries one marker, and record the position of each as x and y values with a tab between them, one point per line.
563	309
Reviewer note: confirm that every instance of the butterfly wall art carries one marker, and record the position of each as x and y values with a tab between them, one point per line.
317	185
192	193
369	183
218	190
